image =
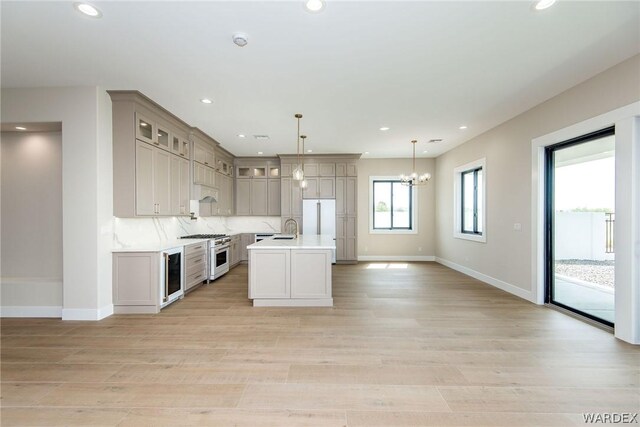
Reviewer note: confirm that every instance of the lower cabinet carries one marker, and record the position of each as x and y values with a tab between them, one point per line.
135	282
346	238
270	273
235	250
195	265
290	277
245	240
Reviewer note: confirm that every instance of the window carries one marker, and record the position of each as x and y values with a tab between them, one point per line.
470	201
471	215
392	206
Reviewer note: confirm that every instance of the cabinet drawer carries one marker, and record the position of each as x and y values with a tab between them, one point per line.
198	248
194	279
196	263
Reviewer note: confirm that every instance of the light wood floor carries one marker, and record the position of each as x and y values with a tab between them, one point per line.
417	346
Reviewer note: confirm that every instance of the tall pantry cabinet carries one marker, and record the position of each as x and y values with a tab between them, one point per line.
329	176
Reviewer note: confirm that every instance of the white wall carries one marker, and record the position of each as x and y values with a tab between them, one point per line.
506	258
86	176
420	246
580	235
31	220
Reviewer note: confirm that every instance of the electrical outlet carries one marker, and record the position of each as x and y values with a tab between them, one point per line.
419	248
517	226
366	248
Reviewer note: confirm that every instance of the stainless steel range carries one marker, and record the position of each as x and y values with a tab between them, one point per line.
218	253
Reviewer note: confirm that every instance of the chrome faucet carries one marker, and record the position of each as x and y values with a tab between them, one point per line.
286	226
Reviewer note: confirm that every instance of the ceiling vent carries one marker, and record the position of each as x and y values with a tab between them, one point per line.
434	141
261	137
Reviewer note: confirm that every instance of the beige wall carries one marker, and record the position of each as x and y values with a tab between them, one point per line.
506	256
31	229
85	113
396	246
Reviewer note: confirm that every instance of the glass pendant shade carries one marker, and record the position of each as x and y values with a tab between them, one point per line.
303	183
298	173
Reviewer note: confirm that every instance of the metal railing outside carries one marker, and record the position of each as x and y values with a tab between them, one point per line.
610	219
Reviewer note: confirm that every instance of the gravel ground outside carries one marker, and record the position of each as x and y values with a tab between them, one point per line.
599	272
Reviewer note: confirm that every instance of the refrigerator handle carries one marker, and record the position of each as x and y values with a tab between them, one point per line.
319	227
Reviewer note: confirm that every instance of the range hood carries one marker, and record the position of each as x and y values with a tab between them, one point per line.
205	194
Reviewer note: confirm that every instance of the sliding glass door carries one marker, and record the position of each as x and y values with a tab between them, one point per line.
580	220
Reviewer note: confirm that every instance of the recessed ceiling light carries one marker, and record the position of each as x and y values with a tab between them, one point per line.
424	152
260	152
543	4
241	136
384	128
87	9
463	127
366	152
309	151
261	137
314	5
21	128
206	101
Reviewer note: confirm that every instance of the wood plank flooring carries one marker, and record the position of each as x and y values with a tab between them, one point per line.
423	345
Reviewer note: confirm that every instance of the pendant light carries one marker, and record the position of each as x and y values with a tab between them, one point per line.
298	172
413	179
303	182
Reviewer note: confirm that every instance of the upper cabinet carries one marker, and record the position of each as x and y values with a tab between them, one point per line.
151	152
204	154
256	171
257	186
157	158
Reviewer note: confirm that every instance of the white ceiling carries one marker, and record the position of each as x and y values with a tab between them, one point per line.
421	68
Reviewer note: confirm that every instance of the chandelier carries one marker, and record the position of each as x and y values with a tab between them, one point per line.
413	179
298	172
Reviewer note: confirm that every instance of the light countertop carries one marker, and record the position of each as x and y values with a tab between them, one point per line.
303	241
158	246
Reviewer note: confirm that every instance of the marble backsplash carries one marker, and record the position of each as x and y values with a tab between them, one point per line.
134	231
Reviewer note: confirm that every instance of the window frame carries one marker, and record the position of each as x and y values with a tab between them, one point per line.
474	227
458	226
413	210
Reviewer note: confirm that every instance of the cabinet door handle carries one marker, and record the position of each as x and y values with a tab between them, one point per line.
166	277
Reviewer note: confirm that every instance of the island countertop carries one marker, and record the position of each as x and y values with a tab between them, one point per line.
308	241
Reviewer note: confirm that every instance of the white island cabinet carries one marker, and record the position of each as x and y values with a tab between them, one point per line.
291	272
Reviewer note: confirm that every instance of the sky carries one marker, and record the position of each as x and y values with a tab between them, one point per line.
586	185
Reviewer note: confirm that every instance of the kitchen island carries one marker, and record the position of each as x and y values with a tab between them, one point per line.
289	271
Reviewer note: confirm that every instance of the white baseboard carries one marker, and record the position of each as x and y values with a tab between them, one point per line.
406	258
507	287
293	302
87	313
31	311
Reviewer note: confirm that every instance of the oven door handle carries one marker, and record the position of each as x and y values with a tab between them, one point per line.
166	277
221	248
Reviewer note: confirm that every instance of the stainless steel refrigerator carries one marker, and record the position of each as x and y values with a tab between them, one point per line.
319	217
